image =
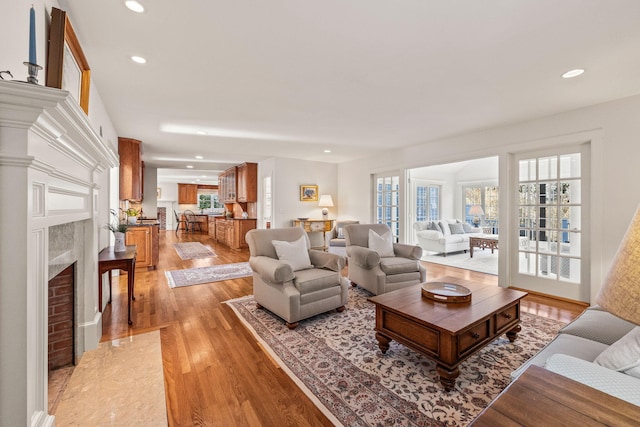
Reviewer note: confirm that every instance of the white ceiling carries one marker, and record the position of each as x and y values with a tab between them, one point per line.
291	78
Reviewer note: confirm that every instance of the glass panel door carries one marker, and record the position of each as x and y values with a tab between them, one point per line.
387	202
549	214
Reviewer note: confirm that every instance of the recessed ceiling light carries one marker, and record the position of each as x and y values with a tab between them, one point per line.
134	5
201	132
189	167
138	59
199	157
327	151
573	73
203	176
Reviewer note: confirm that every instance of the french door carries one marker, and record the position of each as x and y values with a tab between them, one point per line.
387	202
550	233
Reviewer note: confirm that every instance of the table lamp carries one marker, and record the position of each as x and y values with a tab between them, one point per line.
620	292
325	202
476	211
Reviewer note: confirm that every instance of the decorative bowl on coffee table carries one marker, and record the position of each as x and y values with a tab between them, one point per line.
446	292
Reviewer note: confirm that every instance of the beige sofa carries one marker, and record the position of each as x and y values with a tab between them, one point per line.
295	294
578	351
437	236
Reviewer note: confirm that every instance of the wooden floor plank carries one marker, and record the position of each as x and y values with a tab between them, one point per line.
215	371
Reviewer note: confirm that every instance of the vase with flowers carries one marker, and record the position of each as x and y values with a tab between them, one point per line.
132	215
119	229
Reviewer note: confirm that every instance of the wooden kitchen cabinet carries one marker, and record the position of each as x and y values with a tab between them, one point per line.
146	238
188	194
131	169
227	186
212	226
231	232
247	190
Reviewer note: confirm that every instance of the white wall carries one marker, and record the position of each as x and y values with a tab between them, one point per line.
150	201
287	177
614	195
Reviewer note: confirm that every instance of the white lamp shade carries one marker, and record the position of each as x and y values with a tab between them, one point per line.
476	210
620	292
325	201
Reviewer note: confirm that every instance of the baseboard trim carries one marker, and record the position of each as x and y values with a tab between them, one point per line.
554	297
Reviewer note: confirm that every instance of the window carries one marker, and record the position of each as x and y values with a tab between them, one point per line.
549	217
487	198
427	199
387	202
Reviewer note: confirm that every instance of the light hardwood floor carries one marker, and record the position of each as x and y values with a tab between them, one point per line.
216	374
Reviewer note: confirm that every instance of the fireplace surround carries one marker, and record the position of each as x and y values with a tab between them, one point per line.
54	172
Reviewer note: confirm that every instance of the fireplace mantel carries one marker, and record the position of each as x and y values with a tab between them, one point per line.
54	169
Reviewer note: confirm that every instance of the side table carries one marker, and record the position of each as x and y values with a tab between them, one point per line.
109	260
316	226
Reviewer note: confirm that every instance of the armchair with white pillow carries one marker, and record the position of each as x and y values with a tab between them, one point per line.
291	280
335	238
379	265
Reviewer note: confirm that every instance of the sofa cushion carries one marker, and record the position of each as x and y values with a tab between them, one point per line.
598	325
444	226
434	226
293	253
381	244
456	228
467	228
398	265
579	347
315	279
623	355
621	386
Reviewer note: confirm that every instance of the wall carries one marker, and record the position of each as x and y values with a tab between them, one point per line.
615	150
150	200
287	177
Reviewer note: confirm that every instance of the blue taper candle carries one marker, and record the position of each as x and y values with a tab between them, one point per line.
32	36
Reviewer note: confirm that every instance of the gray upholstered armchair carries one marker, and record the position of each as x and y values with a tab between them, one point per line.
290	288
335	238
381	272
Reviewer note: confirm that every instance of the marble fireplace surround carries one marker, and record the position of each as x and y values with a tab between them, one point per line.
54	175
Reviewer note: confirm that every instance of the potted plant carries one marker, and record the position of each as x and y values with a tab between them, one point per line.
118	228
132	215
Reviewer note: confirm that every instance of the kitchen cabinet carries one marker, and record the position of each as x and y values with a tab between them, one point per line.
231	232
188	194
212	226
247	182
131	169
227	183
146	238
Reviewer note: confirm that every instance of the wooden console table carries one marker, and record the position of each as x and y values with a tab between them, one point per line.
544	398
316	226
109	260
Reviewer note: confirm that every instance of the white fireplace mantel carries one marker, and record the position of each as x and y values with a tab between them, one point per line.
54	169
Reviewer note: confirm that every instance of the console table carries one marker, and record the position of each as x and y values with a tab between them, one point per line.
542	397
316	226
109	260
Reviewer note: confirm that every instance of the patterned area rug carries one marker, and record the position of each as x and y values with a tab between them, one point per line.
215	273
193	250
334	358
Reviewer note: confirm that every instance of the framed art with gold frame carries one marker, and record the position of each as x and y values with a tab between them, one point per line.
308	193
67	67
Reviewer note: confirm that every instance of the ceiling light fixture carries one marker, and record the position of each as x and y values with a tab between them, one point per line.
327	151
572	73
201	132
138	59
189	167
134	6
199	157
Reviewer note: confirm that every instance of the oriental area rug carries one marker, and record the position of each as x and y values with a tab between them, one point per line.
334	358
193	250
214	273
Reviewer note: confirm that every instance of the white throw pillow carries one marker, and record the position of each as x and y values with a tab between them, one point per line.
340	233
623	355
294	253
381	244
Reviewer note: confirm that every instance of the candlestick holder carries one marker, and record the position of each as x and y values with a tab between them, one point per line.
33	72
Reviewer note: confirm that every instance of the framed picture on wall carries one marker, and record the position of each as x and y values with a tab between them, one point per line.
67	67
308	193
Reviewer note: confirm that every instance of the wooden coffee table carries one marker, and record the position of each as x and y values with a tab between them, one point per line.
489	242
447	332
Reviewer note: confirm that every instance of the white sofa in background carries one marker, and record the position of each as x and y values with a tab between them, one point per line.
444	236
588	349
